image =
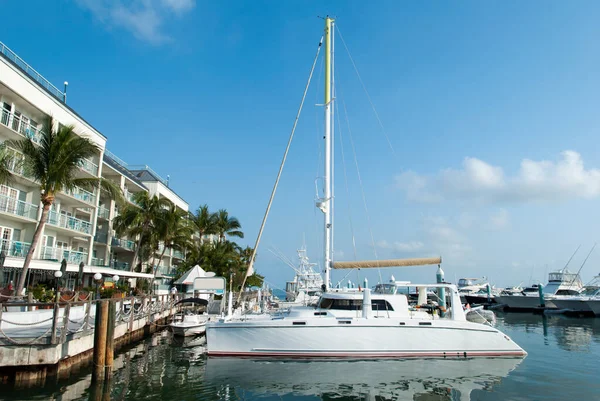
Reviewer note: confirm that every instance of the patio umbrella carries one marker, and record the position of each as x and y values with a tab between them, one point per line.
80	275
63	270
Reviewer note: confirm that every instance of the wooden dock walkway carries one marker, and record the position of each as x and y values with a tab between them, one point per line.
36	344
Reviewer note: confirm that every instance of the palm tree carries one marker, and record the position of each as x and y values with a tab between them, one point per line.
173	229
226	225
7	161
203	221
140	220
54	164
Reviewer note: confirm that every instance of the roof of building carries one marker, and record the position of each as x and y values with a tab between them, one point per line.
190	275
36	81
117	166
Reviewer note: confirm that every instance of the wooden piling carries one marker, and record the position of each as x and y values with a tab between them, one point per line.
100	340
53	335
110	339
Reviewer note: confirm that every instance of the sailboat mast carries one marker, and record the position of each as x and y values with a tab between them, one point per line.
328	152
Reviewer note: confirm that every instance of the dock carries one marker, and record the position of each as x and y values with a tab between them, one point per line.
41	340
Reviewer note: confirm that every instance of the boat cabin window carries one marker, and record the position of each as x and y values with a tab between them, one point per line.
354	304
463	282
567	292
385	289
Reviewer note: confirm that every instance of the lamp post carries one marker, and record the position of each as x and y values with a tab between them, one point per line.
97	278
57	275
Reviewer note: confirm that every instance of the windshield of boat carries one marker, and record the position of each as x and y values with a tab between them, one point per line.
385	289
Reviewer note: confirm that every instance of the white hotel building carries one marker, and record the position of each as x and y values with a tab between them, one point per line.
79	227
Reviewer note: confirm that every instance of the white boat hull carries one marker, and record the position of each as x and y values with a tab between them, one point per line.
574	304
358	338
594	305
523	302
187	330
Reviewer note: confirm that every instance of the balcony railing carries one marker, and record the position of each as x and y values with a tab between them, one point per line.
129	196
123	243
101	237
58	254
70	222
89	166
18	208
178	254
82	195
115	158
16	249
154	173
12	56
103	213
97	262
20	125
120	265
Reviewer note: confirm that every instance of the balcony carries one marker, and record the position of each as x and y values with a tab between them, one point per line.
129	196
103	213
58	254
82	195
69	222
18	208
120	265
15	249
21	125
101	238
98	262
124	243
89	166
178	254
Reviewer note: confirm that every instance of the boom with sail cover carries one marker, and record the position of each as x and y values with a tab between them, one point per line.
361	264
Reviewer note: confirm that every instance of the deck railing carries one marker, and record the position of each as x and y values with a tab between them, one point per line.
15	249
58	254
18	207
70	222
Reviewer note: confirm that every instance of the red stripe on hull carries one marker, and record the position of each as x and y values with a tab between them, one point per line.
455	354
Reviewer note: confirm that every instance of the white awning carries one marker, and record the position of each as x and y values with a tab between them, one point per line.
74	268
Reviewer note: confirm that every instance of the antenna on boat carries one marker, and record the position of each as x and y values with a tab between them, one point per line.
583	264
569	261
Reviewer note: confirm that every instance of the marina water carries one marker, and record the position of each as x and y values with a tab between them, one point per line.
563	363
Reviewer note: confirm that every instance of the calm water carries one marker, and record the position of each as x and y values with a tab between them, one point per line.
563	364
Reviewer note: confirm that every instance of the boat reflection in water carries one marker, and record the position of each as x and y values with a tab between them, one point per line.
430	379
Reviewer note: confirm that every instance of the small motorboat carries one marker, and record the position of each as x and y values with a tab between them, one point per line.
190	322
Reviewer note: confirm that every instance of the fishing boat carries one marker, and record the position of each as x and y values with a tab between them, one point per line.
356	323
307	285
560	283
190	322
579	303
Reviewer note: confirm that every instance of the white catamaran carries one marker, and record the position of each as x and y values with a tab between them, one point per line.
350	323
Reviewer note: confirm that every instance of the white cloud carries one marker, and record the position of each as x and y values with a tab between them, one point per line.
410	246
478	180
499	220
145	19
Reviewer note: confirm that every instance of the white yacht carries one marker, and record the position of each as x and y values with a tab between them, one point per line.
594	304
579	303
561	283
190	322
468	286
353	323
307	285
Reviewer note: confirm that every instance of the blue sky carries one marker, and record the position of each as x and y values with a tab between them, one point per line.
491	109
